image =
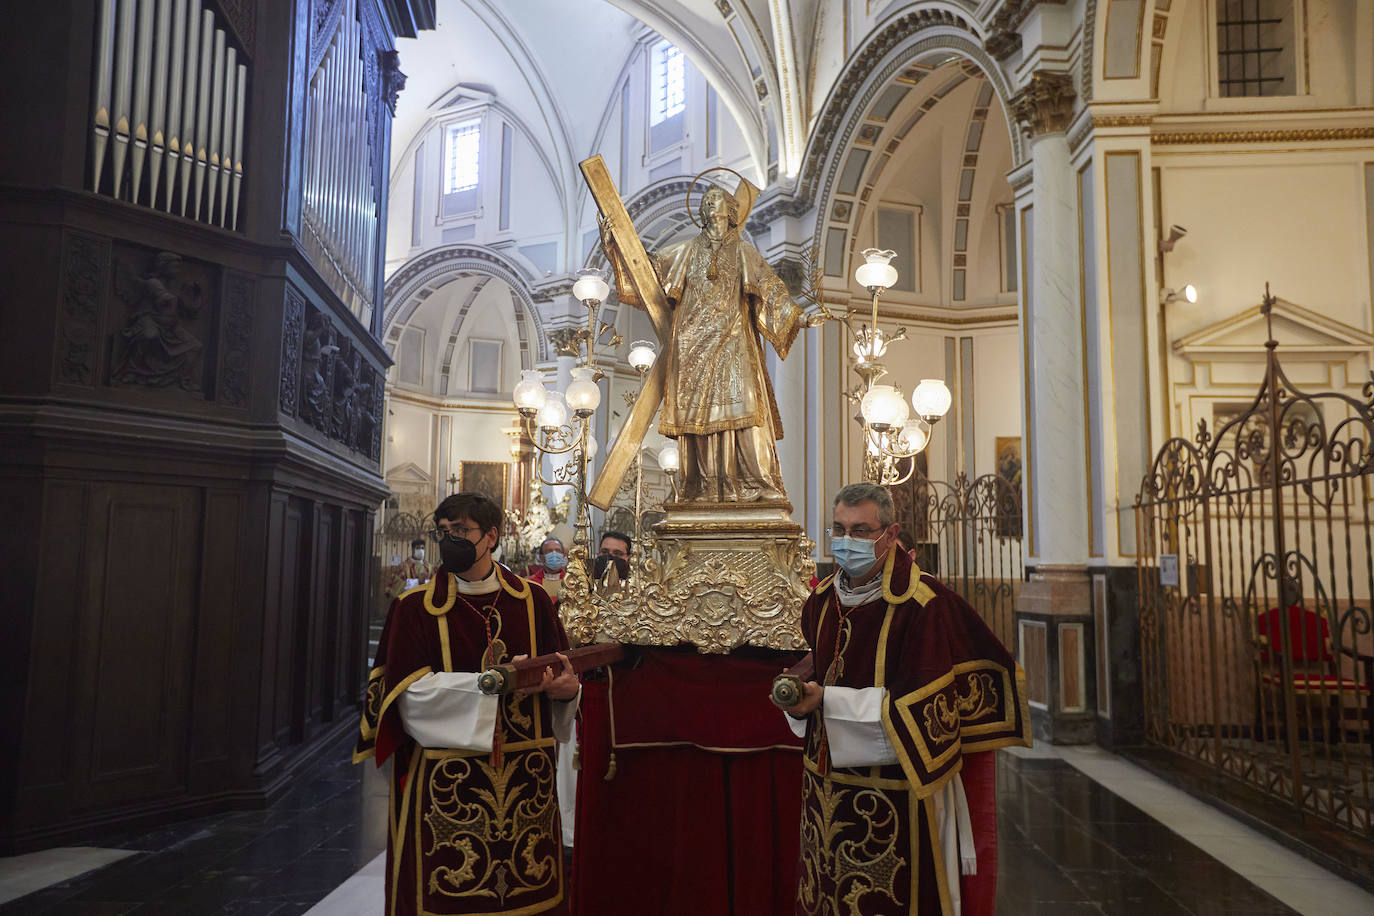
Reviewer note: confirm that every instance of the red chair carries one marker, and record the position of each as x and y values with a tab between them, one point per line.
1317	679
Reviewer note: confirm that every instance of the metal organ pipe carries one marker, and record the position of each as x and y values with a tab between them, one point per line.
168	107
216	101
177	77
207	38
339	218
104	58
188	111
143	61
157	137
123	74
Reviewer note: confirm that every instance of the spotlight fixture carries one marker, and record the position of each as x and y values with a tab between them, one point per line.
1187	293
1176	232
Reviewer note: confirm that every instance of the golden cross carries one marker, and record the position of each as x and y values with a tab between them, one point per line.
640	268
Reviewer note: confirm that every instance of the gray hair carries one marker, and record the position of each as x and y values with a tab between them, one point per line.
856	493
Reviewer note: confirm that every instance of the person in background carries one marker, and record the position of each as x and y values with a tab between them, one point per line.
414	570
613	550
553	563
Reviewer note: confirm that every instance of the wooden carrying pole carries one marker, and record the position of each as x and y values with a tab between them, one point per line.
528	672
787	687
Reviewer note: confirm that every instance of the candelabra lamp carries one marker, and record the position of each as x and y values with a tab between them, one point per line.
893	434
559	423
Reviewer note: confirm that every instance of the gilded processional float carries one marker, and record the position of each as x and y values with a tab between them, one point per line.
715	592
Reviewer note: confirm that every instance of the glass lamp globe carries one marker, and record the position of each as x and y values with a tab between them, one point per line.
591	447
583	394
668	459
590	286
554	413
883	408
915	435
876	272
530	393
642	355
932	398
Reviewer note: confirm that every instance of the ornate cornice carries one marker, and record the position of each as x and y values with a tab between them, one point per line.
1302	135
1045	105
776	209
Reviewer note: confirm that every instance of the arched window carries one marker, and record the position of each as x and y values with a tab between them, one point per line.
462	162
668	83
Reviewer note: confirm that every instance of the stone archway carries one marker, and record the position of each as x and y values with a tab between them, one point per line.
418	278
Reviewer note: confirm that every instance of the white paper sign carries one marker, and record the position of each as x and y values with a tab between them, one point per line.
1168	569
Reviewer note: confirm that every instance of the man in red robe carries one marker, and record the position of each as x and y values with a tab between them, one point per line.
553	564
474	824
912	689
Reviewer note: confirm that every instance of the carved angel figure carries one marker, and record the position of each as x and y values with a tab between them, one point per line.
159	351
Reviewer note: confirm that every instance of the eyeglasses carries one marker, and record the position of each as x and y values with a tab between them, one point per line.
858	531
453	534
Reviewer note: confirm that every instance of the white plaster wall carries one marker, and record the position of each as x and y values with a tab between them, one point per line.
996	394
1296	220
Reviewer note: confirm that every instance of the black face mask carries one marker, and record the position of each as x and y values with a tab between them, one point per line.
458	555
622	566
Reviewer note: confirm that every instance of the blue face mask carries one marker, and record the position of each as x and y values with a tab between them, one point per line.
555	562
854	555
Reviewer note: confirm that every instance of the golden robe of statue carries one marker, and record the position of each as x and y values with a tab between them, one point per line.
718	401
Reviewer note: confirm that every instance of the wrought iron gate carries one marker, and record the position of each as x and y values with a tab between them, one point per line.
1255	581
968	535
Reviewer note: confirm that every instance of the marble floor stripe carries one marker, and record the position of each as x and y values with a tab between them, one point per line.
1288	876
22	875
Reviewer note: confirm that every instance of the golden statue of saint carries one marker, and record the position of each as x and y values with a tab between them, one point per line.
718	401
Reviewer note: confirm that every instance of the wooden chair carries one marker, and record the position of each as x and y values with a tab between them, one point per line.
1316	673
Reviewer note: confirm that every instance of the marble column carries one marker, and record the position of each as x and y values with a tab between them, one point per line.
1054	609
789	385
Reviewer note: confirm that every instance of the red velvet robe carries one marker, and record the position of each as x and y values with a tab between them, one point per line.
469	833
870	844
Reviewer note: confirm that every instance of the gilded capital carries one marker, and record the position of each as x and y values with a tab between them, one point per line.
1045	105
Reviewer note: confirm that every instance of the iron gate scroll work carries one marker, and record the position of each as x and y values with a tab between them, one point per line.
1255	580
968	535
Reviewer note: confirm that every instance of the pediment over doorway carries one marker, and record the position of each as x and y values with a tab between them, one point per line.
408	476
1298	330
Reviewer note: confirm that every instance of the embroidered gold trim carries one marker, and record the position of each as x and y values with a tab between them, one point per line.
444	649
853	779
937	855
448	603
880	663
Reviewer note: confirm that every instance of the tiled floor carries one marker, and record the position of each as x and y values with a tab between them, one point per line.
1081	831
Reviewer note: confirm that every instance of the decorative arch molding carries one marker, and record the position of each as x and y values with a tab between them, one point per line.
868	74
419	277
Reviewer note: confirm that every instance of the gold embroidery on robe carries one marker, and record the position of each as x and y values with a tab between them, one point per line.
850	848
496	828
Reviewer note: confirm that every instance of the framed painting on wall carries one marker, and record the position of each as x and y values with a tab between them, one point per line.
1008	452
485	477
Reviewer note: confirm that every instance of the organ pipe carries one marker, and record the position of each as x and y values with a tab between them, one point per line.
168	109
340	194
